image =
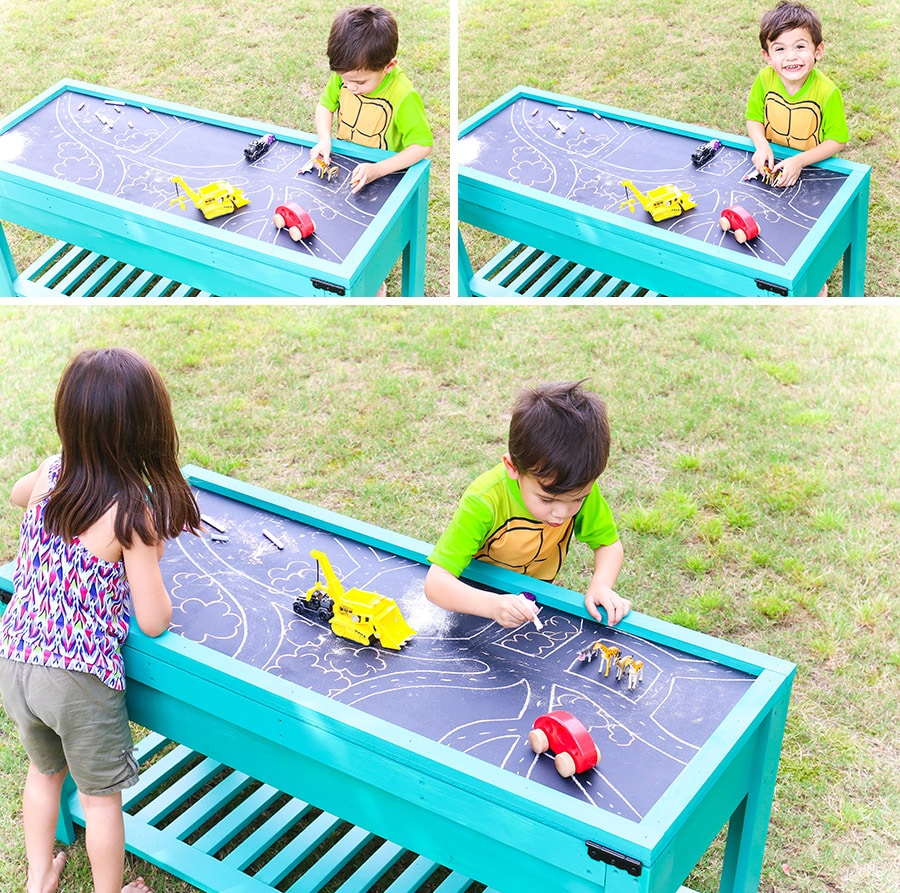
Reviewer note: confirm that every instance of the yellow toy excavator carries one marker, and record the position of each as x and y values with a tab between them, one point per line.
358	615
660	203
213	200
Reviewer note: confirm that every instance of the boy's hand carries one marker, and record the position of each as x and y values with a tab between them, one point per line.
603	596
362	174
790	171
511	610
321	149
763	158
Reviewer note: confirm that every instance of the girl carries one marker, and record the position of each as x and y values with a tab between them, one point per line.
95	521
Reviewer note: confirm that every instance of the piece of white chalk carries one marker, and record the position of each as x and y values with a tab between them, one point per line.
272	539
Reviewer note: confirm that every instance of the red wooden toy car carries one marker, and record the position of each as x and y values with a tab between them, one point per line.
741	221
560	732
297	220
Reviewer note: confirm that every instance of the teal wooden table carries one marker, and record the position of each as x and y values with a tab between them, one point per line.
93	167
546	171
488	822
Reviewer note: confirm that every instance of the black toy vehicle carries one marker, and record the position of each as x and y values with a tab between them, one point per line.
259	147
704	153
317	603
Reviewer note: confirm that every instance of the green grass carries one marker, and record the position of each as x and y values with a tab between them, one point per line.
736	520
692	61
256	59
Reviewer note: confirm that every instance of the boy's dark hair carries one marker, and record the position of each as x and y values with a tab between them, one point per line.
785	17
559	433
119	445
362	38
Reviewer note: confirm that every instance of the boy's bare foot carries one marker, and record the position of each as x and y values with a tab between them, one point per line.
56	867
136	886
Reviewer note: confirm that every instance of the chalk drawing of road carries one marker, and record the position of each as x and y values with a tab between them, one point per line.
577	156
124	151
462	681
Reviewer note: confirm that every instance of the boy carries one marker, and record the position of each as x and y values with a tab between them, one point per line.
791	103
523	513
376	104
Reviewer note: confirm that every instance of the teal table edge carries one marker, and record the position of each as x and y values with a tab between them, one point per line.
484	822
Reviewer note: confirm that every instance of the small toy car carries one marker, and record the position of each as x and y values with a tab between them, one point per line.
741	221
259	147
567	737
704	153
297	220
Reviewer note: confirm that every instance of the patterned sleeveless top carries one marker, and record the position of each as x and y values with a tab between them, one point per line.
69	609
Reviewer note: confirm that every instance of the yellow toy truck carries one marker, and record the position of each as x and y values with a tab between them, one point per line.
213	200
660	203
354	614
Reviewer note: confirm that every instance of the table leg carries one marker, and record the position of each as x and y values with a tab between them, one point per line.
415	252
464	269
7	267
854	277
749	824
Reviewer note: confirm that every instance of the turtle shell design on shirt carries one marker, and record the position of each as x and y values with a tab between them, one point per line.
792	124
363	120
529	547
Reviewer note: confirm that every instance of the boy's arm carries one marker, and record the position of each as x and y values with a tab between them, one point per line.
600	592
790	168
763	155
452	594
324	118
366	173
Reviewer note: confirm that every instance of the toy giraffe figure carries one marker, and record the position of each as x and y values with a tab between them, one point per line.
635	673
608	656
634	667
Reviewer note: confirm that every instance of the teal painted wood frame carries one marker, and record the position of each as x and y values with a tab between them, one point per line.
206	257
665	262
489	824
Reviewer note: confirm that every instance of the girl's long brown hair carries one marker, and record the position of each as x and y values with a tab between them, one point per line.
119	445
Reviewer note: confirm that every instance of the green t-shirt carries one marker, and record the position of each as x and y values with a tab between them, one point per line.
491	523
392	117
812	115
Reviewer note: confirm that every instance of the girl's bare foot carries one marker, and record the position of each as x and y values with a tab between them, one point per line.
56	867
136	886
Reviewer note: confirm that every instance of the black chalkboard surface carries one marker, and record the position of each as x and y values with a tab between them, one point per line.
583	157
126	151
462	681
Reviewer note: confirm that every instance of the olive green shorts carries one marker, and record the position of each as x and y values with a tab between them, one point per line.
71	720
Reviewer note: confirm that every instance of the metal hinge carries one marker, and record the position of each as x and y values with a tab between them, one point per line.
617	860
328	286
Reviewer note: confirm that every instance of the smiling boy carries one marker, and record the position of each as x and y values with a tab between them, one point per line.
374	101
791	103
523	513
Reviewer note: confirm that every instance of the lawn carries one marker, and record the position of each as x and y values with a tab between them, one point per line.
754	476
255	59
693	61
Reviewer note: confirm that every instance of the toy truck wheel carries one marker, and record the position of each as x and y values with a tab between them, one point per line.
295	233
565	764
538	741
723	222
279	221
740	235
